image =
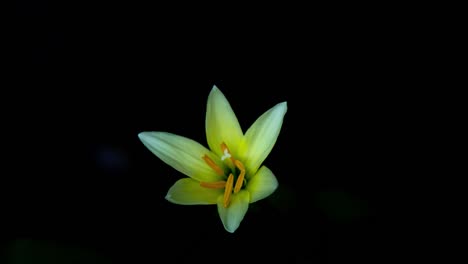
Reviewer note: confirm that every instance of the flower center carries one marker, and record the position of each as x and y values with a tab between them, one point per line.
229	186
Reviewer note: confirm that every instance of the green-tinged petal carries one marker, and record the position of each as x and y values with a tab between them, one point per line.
183	154
232	215
221	123
261	137
262	184
188	191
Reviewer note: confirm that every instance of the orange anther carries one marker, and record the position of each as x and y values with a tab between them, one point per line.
228	190
213	165
213	185
240	179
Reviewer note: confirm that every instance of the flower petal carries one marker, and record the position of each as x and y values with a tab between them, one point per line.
262	184
187	191
232	215
221	123
183	154
261	137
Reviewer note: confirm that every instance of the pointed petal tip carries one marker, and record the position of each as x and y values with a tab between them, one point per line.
143	136
231	231
214	90
170	199
284	105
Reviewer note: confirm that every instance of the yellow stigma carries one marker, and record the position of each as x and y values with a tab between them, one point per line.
228	190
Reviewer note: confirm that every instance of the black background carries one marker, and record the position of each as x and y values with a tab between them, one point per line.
90	77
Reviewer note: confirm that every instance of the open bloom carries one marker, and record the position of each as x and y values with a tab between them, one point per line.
230	173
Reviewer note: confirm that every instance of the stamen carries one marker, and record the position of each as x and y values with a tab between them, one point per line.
240	179
213	165
228	190
213	185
